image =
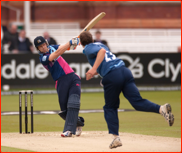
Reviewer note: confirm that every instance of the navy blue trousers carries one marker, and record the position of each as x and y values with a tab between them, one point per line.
117	81
67	85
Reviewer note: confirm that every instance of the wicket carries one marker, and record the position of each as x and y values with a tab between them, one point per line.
20	110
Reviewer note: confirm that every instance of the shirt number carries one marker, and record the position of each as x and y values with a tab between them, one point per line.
109	56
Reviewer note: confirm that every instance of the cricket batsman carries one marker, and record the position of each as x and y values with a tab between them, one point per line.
68	84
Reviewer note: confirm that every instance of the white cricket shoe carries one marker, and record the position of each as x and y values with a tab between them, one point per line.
166	112
66	134
115	143
78	130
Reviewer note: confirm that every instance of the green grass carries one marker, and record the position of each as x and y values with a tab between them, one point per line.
132	122
10	149
50	102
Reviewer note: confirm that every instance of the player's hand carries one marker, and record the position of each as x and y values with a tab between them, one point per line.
74	42
90	74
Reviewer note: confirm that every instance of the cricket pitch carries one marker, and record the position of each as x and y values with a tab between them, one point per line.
90	141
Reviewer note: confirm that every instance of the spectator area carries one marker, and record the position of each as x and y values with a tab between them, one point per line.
119	40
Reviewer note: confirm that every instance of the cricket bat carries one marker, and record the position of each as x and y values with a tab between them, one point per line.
93	22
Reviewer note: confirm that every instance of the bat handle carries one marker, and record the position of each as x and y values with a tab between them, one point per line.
79	42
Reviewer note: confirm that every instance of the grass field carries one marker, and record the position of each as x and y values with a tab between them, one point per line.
11	149
132	122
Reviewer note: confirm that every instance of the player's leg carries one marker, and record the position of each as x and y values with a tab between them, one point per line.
77	90
80	121
72	113
79	125
131	92
112	87
110	108
73	105
63	94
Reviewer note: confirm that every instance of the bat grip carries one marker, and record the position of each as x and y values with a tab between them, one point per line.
78	44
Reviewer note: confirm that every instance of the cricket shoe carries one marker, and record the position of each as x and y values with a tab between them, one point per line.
166	112
66	134
115	143
78	130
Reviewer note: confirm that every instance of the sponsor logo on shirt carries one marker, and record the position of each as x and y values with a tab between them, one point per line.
44	58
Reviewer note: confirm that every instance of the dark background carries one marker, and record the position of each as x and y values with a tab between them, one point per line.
145	80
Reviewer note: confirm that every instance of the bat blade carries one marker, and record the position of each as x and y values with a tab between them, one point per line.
94	21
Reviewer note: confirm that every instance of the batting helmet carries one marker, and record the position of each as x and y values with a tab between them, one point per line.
39	41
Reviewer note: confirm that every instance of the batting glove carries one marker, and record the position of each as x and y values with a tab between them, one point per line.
74	42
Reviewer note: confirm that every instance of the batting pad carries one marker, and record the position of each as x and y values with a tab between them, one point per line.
80	121
73	107
62	114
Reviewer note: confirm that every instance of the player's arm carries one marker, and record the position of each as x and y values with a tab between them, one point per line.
98	61
62	48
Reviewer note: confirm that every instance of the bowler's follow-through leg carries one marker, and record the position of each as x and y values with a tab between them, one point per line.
165	111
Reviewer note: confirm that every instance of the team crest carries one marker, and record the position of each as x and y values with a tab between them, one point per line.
39	41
